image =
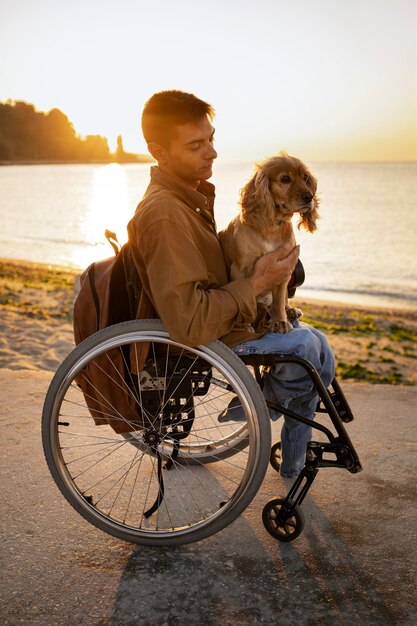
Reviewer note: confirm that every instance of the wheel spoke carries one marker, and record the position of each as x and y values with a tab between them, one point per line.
196	473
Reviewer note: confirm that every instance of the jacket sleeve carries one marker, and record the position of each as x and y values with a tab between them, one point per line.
193	306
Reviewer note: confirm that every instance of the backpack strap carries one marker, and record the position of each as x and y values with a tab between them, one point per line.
133	283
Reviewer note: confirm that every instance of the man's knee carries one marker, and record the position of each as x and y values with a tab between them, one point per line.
309	345
314	347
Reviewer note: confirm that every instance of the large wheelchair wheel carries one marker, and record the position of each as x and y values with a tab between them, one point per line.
177	474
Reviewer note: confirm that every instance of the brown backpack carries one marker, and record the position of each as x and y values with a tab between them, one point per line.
110	292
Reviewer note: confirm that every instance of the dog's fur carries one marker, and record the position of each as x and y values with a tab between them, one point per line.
281	186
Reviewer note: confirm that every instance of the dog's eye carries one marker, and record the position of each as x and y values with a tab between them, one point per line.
306	176
285	179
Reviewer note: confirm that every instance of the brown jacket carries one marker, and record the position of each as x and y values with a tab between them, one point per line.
179	259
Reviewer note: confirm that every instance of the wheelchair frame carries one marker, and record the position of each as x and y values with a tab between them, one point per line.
168	425
277	511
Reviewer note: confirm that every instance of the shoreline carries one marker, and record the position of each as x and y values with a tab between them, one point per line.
371	343
402	311
143	159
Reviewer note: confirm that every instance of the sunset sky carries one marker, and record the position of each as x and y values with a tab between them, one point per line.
323	79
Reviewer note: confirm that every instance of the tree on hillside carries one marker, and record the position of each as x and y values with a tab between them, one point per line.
95	147
59	137
30	135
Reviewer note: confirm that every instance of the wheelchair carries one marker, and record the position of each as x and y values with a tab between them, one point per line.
177	472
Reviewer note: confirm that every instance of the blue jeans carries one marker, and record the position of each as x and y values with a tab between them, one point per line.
288	384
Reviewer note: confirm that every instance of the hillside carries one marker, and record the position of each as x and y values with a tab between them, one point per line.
31	136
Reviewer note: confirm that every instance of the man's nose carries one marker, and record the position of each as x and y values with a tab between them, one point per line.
212	154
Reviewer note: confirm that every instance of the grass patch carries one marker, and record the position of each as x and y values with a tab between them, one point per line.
36	290
358	371
35	275
356	324
399	333
327	327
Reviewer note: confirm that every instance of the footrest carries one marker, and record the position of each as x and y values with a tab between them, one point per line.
341	455
340	404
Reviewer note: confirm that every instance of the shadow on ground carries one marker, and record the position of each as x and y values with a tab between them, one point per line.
241	578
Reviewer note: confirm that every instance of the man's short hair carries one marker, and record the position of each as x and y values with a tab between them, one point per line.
167	109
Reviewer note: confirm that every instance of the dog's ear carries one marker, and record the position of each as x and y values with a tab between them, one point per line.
257	203
308	220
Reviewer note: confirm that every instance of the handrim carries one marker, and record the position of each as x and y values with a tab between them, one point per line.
256	431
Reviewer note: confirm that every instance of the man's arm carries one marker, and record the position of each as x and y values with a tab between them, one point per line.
193	306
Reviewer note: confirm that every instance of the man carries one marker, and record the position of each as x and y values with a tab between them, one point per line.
179	259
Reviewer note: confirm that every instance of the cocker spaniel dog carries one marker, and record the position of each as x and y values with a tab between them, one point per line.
281	186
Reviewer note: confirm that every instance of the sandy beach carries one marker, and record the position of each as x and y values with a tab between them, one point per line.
371	344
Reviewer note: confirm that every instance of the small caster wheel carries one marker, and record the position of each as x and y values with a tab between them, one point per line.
275	458
281	524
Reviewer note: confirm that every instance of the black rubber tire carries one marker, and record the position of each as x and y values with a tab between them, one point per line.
280	526
275	457
111	483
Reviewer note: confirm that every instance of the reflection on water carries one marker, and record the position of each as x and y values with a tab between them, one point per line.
108	204
108	208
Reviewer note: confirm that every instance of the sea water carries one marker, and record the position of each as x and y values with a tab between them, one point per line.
364	252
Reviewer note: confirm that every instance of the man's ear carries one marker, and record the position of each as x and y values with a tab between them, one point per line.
158	152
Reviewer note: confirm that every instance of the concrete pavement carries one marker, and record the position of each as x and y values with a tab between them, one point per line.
355	562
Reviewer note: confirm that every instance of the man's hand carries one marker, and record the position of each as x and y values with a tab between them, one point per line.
274	268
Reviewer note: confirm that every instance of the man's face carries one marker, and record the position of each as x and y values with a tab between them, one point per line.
190	154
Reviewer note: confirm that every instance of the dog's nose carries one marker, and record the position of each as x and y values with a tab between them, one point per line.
306	197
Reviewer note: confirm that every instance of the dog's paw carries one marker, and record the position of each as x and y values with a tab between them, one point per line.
280	326
294	314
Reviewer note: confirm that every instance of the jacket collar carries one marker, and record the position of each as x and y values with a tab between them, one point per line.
201	198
